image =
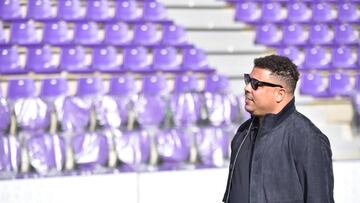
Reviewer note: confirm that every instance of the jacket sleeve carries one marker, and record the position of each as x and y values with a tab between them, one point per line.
313	160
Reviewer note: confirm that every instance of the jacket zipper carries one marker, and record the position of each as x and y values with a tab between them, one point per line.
233	164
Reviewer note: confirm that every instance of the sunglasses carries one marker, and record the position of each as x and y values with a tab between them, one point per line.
256	83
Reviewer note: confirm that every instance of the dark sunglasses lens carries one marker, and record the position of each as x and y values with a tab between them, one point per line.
254	83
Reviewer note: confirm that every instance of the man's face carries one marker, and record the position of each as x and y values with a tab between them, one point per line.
261	101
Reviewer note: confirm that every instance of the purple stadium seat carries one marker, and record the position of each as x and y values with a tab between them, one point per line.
166	59
185	102
117	34
46	153
271	12
10	10
56	33
73	59
123	89
293	53
347	12
91	151
316	58
313	84
322	12
247	11
90	86
145	34
5	115
346	34
41	60
127	10
153	11
343	57
23	33
150	107
97	10
86	33
32	113
173	35
173	146
132	149
320	34
105	59
357	83
136	59
194	59
294	34
39	10
268	34
212	146
10	61
298	12
10	159
340	84
54	87
69	10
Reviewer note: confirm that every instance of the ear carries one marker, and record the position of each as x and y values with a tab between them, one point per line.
280	95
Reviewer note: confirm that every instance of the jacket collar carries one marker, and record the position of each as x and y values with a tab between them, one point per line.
271	121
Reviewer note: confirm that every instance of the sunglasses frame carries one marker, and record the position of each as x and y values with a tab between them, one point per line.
255	84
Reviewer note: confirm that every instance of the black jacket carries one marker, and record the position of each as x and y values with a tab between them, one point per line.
291	160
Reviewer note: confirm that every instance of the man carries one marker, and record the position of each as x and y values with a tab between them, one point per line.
278	155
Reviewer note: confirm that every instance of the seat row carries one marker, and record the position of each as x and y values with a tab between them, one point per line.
322	58
73	10
89	33
254	12
332	85
107	59
307	35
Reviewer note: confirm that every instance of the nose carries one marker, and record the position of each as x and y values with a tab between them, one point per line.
248	88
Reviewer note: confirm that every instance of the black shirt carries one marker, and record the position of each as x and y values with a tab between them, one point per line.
239	190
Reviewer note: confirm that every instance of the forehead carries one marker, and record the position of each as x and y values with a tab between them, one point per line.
260	73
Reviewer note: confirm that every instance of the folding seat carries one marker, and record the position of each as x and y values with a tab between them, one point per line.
153	11
150	107
10	10
185	101
346	34
173	35
340	84
268	35
69	10
32	113
86	33
316	58
272	12
124	90
195	59
166	59
173	147
10	62
322	12
347	12
343	57
146	34
313	84
117	34
320	34
41	60
23	33
126	10
10	161
298	12
136	59
292	53
247	11
357	83
98	10
294	34
56	33
212	146
39	10
73	60
105	59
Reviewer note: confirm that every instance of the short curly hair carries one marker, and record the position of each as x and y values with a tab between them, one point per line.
282	67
